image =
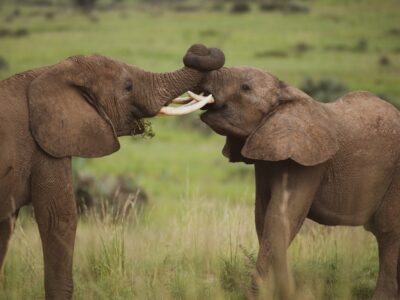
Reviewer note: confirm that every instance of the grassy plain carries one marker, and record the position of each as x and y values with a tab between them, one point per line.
196	238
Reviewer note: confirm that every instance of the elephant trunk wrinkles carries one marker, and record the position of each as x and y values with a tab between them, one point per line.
214	80
167	86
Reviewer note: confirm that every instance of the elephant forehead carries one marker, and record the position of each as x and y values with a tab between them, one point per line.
254	75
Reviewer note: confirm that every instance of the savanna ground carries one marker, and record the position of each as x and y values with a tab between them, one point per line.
196	239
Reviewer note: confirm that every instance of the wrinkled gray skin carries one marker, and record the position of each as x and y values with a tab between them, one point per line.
75	108
338	163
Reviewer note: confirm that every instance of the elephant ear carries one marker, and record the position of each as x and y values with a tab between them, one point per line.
62	121
232	150
299	129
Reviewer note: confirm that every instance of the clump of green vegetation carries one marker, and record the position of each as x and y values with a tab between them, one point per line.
143	129
240	7
324	90
235	272
20	32
384	61
85	5
360	46
283	6
3	63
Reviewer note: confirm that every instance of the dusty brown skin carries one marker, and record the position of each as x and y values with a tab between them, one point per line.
75	108
341	162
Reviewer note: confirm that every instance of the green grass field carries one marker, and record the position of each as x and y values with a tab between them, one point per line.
196	238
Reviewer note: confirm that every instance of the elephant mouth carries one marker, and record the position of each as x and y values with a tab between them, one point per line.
187	105
138	127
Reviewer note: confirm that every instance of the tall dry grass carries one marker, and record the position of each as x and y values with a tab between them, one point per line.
205	251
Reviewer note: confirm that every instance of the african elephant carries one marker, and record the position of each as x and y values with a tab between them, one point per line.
77	107
335	163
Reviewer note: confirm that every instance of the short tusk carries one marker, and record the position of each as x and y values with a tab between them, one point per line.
188	108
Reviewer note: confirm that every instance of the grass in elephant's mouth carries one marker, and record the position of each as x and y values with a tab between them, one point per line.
143	129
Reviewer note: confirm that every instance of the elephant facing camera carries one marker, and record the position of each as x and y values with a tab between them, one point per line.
335	163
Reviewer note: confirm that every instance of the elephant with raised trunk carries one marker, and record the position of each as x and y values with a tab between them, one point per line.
336	163
77	107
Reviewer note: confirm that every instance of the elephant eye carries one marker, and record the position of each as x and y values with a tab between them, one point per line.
128	85
245	87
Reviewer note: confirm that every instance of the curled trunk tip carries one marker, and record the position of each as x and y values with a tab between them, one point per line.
204	59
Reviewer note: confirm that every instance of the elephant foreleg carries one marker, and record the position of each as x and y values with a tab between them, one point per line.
55	212
292	193
263	195
6	230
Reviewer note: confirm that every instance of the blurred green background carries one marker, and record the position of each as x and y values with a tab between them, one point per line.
195	238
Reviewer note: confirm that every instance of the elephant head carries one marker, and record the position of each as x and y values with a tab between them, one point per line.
79	106
264	118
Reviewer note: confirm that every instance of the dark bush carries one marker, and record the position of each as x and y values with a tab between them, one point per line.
16	12
49	15
114	196
394	31
287	7
360	46
107	197
5	32
3	63
37	2
21	32
302	47
384	61
324	90
240	7
85	5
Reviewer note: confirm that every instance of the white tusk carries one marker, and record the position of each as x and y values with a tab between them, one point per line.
200	97
188	108
184	100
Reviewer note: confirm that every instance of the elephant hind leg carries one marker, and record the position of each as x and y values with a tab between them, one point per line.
387	284
398	275
385	225
6	229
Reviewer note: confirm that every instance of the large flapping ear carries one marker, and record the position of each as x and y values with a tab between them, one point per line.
62	120
299	129
232	150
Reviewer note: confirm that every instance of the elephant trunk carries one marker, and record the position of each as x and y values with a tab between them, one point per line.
164	87
170	85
